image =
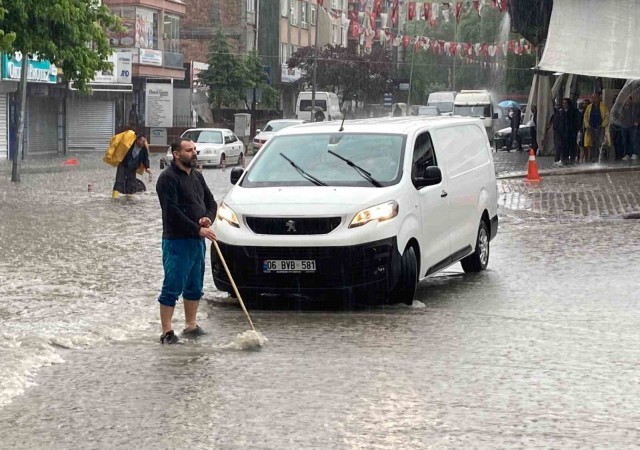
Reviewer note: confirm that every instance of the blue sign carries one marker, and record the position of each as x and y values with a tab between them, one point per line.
39	71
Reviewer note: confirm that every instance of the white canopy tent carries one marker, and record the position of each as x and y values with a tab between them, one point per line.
597	38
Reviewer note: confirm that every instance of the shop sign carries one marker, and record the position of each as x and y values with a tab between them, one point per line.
150	57
196	69
159	105
38	71
125	67
290	75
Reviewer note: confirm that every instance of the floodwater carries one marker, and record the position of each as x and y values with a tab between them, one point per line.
540	351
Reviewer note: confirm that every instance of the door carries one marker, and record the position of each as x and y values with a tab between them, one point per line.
434	207
90	124
233	146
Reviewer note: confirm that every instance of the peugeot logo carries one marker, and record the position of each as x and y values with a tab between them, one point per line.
291	226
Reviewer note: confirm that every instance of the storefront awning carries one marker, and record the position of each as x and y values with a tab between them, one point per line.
598	38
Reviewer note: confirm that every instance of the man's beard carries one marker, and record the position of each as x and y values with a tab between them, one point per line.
189	162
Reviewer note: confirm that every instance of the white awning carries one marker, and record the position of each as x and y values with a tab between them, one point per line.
598	38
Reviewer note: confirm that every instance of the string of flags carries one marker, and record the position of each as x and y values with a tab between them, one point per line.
369	16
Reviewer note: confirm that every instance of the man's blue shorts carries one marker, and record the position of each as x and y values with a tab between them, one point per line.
183	261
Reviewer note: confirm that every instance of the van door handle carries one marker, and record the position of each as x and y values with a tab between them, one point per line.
444	193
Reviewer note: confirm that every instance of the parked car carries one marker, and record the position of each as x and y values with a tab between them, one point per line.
362	213
503	139
213	145
272	127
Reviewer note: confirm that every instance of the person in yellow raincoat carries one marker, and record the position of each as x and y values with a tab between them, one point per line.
129	152
596	123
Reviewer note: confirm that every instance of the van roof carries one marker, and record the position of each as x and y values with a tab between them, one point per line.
472	97
391	125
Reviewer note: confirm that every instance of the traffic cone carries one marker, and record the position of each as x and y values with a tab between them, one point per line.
532	169
223	164
243	161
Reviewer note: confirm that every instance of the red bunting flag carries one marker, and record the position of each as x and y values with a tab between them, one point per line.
377	8
458	11
394	13
504	5
476	5
412	11
320	2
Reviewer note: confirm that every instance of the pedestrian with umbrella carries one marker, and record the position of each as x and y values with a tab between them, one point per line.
515	115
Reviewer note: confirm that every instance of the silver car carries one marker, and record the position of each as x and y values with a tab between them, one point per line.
213	146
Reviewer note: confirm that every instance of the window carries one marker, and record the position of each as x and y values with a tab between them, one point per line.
146	27
335	4
335	39
251	6
303	15
284	50
423	156
171	33
293	18
313	15
284	10
204	136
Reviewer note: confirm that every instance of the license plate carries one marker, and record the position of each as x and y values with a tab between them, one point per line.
288	265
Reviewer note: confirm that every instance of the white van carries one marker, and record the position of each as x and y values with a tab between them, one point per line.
327	106
444	101
365	212
476	104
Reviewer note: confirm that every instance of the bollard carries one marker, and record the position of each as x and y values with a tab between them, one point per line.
200	167
90	187
223	164
243	161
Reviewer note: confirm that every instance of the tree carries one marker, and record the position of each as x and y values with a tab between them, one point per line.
226	75
72	34
339	70
5	39
256	78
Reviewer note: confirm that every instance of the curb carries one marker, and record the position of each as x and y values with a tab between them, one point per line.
559	172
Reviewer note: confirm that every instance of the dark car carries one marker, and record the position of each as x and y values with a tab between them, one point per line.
503	139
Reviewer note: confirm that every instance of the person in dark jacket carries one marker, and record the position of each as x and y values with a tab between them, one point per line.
516	119
126	179
569	133
533	130
188	211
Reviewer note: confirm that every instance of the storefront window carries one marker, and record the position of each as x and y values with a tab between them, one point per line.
171	33
146	28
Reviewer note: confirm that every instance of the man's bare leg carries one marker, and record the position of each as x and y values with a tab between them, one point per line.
190	312
166	314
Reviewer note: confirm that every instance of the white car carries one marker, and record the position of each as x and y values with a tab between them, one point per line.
214	145
361	212
272	127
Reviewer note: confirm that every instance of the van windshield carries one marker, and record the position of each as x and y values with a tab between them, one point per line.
380	155
473	110
305	105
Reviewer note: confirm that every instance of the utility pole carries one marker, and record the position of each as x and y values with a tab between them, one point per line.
413	56
256	11
315	64
455	39
24	70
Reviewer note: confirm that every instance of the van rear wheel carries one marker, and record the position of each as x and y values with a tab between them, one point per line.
479	259
405	288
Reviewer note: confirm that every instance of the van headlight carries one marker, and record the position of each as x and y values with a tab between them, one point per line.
380	213
226	214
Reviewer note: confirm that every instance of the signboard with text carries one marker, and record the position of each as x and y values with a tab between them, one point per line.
125	67
150	57
38	71
159	105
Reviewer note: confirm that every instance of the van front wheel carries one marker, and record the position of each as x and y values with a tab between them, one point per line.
405	288
479	259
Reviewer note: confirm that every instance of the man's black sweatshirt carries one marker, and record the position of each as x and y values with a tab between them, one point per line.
185	199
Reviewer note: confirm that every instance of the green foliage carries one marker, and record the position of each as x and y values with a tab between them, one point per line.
434	72
365	77
69	33
226	75
256	77
5	39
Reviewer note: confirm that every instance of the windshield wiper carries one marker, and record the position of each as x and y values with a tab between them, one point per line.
301	171
363	173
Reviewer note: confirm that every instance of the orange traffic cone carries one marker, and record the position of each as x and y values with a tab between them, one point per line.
532	169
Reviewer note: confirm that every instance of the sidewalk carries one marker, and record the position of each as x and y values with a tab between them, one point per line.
514	165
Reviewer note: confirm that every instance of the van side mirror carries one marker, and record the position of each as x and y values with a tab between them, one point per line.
495	116
432	177
236	173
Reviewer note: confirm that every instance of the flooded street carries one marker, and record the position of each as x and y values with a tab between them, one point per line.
540	351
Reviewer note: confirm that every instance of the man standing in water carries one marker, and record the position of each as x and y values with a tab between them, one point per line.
188	211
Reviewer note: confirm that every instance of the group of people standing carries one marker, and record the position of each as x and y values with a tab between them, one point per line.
580	134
